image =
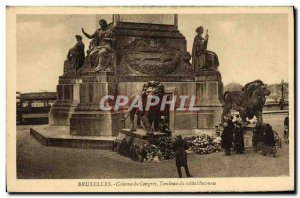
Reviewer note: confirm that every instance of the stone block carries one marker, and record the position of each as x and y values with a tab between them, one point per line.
59	136
185	120
88	119
67	100
88	123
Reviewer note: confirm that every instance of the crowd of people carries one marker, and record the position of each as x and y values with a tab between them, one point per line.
232	137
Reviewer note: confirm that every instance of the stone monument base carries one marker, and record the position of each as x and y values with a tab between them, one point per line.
67	100
59	136
87	118
60	113
96	123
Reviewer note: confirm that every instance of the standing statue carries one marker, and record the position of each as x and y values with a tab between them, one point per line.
100	54
75	57
199	48
201	57
249	102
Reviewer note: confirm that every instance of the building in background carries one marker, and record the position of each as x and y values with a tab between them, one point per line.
33	108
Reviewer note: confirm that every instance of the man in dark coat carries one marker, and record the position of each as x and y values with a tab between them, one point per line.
227	138
239	139
179	146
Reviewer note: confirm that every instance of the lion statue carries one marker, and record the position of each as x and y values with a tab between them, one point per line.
249	102
147	117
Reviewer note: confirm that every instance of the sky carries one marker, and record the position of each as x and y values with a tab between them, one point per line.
249	46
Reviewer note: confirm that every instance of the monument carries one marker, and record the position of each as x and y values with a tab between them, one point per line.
122	57
67	89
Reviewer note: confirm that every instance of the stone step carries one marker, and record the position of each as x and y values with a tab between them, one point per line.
141	134
59	136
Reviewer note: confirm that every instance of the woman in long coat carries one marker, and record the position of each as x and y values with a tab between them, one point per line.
227	138
269	139
179	146
239	139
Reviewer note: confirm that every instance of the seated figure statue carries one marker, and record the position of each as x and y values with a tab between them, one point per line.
100	54
201	57
76	55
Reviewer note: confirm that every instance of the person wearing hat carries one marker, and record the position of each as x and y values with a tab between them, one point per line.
239	139
237	119
180	146
76	54
163	126
227	138
199	49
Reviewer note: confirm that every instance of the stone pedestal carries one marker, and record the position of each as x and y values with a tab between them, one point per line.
248	135
209	94
208	89
88	119
67	100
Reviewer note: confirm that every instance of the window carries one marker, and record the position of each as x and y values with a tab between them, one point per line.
25	104
38	104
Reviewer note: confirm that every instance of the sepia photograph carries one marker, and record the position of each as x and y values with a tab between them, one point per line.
150	99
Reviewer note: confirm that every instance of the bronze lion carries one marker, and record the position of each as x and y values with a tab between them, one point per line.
248	102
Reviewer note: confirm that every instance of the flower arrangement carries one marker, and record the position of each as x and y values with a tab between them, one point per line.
158	149
204	144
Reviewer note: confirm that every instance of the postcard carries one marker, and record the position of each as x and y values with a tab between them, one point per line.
150	99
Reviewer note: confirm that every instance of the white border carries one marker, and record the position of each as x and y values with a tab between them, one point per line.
97	3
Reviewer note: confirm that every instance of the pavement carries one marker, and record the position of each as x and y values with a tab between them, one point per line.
36	161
